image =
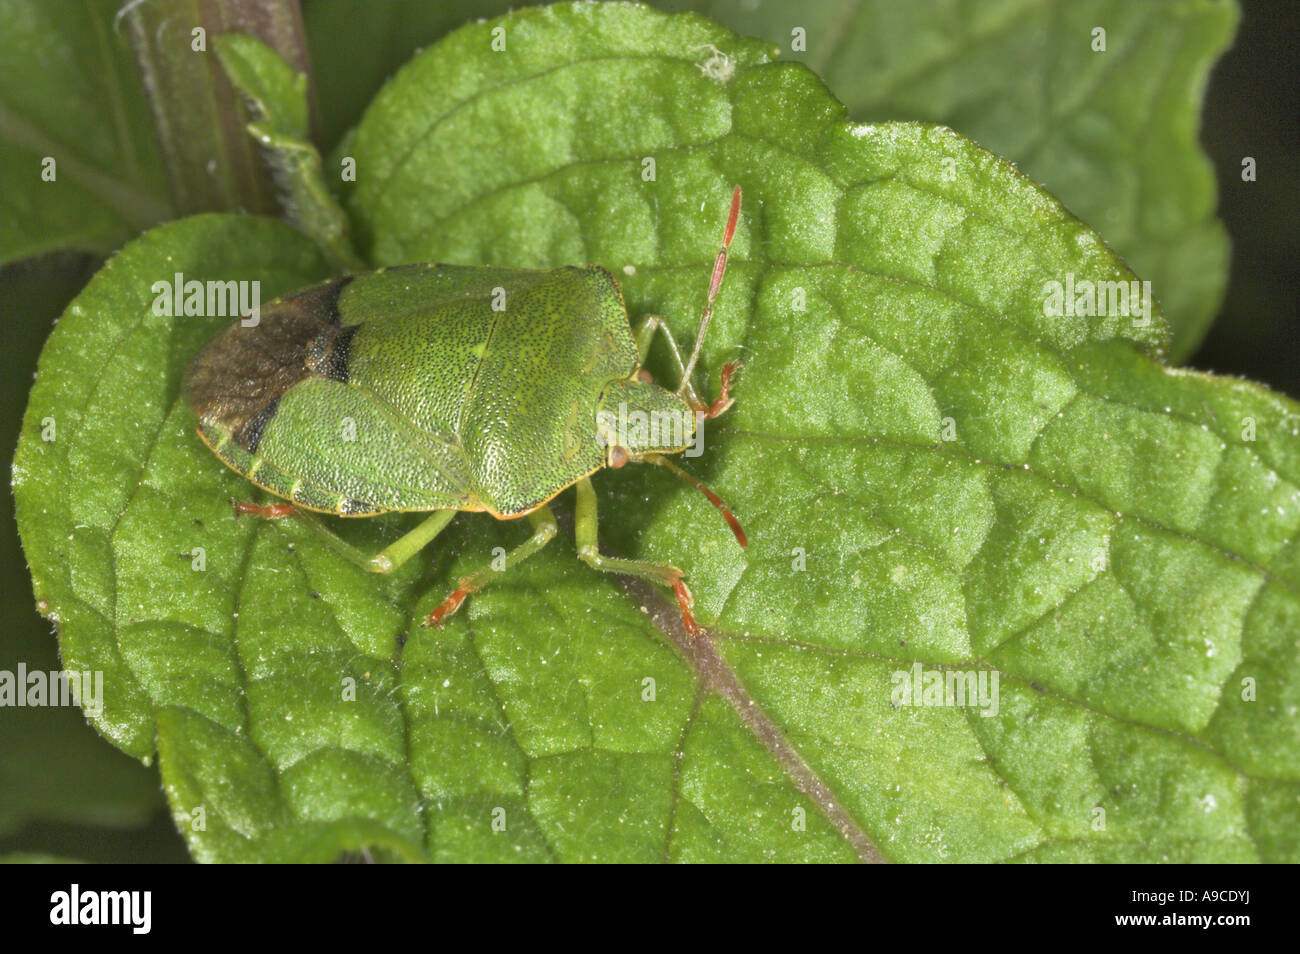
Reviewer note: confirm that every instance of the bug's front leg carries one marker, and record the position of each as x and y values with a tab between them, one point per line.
544	531
585	534
644	335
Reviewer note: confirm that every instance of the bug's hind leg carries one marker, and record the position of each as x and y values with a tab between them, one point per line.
585	534
405	547
543	533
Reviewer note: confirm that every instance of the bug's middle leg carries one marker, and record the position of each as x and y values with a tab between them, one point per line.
644	335
585	534
543	533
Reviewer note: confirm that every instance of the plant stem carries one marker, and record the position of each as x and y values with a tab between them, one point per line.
212	163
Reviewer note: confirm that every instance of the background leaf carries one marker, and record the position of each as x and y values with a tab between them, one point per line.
69	90
1113	135
355	55
1101	530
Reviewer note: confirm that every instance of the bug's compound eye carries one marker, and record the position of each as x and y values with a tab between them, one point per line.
618	456
644	376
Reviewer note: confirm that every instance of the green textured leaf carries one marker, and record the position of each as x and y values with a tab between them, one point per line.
71	94
1113	134
1115	538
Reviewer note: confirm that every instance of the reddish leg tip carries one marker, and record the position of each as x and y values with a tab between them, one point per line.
447	607
684	603
724	400
267	512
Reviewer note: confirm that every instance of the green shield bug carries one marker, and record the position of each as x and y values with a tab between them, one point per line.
446	388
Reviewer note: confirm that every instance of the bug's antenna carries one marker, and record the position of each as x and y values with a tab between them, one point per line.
719	266
699	485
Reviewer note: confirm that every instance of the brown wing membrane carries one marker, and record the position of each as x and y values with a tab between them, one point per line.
243	371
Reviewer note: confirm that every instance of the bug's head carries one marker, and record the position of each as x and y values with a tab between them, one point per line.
637	417
637	420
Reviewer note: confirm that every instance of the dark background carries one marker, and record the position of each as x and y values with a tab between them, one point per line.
1253	109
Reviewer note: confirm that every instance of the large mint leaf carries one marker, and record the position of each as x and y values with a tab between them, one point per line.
1116	538
71	94
1113	134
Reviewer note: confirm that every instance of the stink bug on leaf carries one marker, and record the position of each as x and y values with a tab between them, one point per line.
475	388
